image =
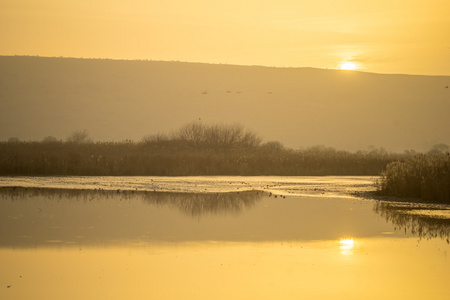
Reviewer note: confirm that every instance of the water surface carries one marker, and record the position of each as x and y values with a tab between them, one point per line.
217	238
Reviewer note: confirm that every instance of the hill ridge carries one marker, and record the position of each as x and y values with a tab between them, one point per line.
300	107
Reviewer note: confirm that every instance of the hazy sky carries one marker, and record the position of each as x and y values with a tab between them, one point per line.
384	36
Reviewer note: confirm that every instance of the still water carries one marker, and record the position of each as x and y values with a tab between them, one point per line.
217	238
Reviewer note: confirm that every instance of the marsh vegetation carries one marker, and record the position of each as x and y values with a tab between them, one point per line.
195	149
423	176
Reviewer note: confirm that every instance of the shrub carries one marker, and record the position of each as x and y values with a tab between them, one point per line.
424	176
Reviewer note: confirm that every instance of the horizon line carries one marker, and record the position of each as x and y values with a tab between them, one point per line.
214	63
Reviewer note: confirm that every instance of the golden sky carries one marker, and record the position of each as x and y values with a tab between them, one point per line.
384	36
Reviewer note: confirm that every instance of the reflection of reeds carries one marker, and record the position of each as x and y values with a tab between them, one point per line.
404	218
201	204
31	217
423	176
194	204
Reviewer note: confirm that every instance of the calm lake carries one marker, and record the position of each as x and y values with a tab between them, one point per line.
217	238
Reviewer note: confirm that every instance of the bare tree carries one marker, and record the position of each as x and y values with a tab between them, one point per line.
79	137
218	135
193	132
273	146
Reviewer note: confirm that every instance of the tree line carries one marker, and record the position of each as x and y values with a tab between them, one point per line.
194	149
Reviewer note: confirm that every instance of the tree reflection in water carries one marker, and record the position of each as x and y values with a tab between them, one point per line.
193	204
197	205
423	220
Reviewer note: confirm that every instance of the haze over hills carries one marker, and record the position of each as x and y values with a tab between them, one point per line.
300	107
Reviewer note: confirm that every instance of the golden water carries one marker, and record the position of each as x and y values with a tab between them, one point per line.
86	244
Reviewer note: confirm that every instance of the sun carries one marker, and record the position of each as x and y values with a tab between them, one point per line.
348	66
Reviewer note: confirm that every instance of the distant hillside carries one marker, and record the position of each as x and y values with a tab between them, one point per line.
300	107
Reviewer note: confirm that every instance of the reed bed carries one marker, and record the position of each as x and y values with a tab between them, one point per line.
423	176
195	149
178	158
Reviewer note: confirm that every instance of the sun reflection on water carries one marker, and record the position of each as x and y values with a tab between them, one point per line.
346	246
